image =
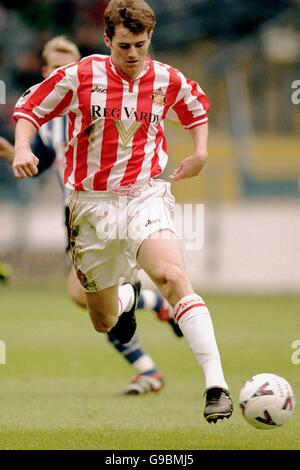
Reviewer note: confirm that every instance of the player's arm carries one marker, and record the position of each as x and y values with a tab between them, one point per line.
45	153
192	165
56	93
6	149
25	162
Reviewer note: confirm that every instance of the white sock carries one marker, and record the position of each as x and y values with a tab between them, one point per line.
126	298
195	322
144	364
150	299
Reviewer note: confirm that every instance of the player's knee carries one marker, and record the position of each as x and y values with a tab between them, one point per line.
175	276
103	324
171	278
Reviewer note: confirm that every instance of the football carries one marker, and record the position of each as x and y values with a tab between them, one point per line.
267	401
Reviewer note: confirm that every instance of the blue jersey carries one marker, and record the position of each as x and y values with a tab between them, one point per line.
49	146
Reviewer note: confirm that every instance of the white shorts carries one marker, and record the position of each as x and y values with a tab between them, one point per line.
107	230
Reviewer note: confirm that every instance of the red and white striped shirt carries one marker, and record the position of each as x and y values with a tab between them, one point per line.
116	125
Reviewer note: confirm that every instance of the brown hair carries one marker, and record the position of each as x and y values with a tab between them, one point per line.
60	44
135	15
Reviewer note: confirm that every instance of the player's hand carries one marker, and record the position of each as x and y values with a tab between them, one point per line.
25	164
6	149
189	167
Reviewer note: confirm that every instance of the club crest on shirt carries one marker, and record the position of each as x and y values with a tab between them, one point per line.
159	97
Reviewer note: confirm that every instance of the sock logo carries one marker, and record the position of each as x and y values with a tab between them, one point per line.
187	305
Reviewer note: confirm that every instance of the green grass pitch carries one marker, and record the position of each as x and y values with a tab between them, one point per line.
60	387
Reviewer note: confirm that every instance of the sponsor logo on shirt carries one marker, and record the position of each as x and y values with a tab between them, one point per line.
98	89
128	113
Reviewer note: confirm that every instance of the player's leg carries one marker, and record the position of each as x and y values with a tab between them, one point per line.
148	377
148	300
99	262
78	296
112	312
160	257
103	308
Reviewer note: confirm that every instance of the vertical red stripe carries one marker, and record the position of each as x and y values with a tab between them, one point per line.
85	77
70	150
155	167
110	137
144	104
58	110
173	89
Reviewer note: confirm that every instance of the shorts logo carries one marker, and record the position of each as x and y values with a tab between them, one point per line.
126	190
159	97
150	222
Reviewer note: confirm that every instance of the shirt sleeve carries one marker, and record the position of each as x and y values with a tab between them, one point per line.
46	100
191	106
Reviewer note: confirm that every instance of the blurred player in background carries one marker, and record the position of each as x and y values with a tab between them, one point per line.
6	152
116	105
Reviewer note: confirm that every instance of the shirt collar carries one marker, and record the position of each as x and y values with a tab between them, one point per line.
117	71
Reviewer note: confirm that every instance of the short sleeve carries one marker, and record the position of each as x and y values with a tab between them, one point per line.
46	100
191	106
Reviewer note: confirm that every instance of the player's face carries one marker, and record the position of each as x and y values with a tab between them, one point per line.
57	59
128	50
